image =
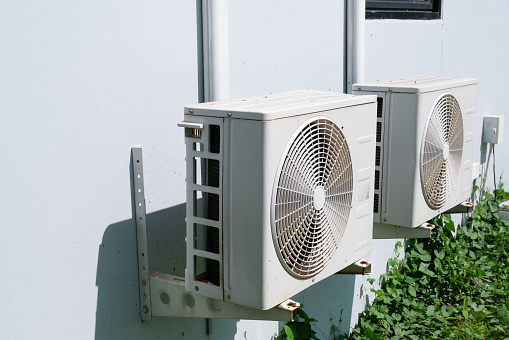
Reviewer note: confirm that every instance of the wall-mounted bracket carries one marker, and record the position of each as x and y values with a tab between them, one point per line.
361	267
141	232
462	208
170	298
387	231
165	295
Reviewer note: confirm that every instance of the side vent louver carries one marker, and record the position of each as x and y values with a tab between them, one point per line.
213	170
379	154
380	106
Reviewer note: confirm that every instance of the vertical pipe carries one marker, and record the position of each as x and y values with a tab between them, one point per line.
216	72
356	43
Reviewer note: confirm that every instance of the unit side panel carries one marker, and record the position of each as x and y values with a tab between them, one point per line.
245	211
467	100
400	163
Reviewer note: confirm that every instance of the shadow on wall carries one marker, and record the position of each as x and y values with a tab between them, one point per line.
118	310
329	301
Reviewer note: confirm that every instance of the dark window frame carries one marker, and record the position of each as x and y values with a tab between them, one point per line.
404	9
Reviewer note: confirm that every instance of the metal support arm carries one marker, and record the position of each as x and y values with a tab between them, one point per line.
387	231
170	298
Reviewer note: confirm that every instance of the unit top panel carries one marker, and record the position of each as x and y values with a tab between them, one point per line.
277	105
415	84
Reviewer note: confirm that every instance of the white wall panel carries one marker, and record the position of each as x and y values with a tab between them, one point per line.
285	45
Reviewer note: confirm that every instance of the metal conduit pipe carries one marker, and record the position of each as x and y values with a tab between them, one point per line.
355	43
216	71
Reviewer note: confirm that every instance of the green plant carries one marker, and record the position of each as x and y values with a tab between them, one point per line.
452	286
298	329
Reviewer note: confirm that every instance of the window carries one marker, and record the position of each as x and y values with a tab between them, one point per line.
403	9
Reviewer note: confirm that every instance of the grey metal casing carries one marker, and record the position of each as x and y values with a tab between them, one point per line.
407	104
254	133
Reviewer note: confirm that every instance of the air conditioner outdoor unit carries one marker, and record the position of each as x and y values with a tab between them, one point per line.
424	147
279	193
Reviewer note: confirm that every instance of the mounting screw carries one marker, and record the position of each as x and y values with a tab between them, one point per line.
229	114
144	296
196	288
144	282
145	309
385	220
228	296
191	111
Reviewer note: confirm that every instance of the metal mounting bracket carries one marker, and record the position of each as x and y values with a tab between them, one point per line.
141	232
170	298
388	231
462	208
360	267
165	295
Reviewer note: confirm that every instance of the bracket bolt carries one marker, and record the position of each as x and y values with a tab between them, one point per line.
196	288
229	114
385	220
228	296
191	111
145	309
144	282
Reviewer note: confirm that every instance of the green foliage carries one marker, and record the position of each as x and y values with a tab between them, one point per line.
299	329
452	286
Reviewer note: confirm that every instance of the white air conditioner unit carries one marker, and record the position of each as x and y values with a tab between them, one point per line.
279	193
424	148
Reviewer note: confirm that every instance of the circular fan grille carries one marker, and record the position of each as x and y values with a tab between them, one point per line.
441	151
312	197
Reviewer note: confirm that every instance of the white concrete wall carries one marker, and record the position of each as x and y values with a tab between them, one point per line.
82	82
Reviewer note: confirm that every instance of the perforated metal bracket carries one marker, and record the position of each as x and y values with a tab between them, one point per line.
141	233
388	231
170	298
361	267
462	208
165	295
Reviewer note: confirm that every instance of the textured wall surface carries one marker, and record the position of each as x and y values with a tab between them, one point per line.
83	82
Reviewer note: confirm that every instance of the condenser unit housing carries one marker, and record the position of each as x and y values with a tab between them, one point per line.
424	147
279	193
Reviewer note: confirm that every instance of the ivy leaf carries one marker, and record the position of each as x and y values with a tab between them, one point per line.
288	332
504	313
464	311
420	247
425	256
423	267
430	311
412	291
446	311
440	253
392	262
450	226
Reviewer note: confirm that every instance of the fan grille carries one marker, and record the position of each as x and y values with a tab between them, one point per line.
442	151
313	197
